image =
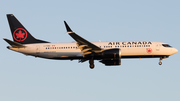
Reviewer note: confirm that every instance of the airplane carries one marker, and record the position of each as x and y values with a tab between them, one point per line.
108	53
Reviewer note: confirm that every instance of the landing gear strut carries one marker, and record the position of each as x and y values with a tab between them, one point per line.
91	63
160	63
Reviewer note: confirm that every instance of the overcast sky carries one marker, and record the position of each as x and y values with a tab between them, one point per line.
26	78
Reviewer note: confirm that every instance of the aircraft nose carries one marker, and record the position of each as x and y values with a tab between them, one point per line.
175	50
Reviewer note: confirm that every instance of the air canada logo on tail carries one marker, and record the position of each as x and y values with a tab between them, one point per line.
20	34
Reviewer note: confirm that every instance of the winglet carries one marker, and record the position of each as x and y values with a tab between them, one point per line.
67	27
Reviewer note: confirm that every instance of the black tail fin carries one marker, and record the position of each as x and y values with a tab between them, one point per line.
20	33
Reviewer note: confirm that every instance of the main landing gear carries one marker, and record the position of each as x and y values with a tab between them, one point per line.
91	63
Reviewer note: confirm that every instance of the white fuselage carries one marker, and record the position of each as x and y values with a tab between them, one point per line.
71	51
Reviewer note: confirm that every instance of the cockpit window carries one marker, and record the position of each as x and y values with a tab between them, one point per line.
166	45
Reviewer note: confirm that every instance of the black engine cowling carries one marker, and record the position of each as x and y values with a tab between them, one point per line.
111	62
111	53
111	57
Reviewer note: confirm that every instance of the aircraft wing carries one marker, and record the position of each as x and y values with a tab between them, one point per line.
85	46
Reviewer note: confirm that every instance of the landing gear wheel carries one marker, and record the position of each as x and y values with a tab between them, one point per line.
160	63
91	62
91	66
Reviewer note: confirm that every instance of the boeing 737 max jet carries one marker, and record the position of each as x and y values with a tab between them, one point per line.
108	53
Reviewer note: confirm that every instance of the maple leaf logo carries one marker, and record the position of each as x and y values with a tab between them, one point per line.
20	34
149	50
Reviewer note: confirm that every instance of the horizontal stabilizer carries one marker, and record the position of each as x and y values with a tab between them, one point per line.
14	44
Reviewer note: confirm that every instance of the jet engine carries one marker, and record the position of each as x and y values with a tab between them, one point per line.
111	57
111	62
111	54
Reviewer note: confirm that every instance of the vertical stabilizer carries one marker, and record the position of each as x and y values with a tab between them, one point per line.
19	33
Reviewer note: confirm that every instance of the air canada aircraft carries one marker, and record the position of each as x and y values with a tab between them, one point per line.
108	53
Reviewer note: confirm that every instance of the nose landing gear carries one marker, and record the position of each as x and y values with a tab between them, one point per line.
161	58
160	63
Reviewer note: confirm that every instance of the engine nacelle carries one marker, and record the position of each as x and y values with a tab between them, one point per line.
111	53
111	62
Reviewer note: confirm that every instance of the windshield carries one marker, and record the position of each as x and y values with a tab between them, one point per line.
166	45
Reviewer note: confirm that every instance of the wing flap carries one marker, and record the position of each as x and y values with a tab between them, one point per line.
85	50
87	53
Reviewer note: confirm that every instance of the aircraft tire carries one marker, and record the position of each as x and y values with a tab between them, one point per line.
92	66
160	63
